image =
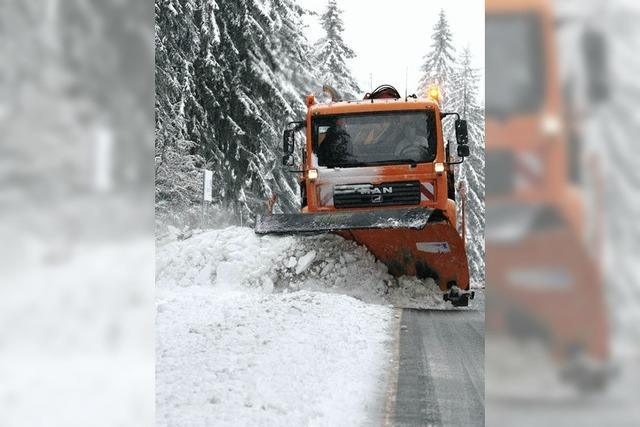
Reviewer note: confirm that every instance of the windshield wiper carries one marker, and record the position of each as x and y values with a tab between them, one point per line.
347	165
412	162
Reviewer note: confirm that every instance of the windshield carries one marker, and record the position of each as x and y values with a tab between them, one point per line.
375	138
514	64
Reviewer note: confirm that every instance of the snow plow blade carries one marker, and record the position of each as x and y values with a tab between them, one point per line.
410	241
322	222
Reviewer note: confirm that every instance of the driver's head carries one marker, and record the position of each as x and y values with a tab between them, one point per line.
339	126
409	130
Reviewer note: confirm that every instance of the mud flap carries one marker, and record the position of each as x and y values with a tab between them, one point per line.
322	222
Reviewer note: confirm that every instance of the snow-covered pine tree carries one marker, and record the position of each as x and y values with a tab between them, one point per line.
229	75
439	63
297	77
263	55
332	54
471	171
178	161
291	79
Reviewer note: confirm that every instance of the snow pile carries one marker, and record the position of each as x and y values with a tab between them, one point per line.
235	258
342	266
249	358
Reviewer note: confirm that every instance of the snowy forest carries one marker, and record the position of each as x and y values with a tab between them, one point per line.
230	74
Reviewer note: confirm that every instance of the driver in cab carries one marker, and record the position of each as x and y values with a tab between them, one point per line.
411	143
336	148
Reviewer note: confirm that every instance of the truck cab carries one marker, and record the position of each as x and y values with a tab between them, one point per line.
377	171
364	154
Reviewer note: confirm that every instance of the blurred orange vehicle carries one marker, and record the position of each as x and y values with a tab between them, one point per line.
543	281
377	171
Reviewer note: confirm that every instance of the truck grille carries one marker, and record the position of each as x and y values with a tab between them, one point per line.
385	194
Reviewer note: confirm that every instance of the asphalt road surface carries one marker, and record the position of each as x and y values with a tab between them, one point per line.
440	374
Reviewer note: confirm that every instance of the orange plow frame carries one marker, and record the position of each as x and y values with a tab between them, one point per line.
436	251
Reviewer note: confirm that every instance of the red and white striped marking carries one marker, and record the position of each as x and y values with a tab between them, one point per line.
427	192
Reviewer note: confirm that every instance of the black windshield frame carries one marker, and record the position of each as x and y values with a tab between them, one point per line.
416	118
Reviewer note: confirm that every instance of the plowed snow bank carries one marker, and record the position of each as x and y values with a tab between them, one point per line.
238	358
235	258
237	345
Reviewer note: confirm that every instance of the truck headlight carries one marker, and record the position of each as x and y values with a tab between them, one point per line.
312	174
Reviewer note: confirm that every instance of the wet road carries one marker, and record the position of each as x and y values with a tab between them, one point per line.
440	374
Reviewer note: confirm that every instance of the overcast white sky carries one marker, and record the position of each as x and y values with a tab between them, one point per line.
392	36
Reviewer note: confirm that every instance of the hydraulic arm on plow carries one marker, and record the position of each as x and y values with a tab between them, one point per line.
377	171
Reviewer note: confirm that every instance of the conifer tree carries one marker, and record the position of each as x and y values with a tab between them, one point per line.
333	53
177	158
439	63
230	74
264	70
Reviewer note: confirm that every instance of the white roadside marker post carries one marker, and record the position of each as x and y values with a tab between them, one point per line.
207	193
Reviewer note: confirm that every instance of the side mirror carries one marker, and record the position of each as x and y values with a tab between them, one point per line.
288	160
463	150
462	136
288	141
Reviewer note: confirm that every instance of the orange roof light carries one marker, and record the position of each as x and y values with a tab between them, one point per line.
434	92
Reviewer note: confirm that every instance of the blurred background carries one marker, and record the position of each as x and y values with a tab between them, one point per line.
563	284
76	212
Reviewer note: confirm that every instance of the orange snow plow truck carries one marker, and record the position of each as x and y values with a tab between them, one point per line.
377	171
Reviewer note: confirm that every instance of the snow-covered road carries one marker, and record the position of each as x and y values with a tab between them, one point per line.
275	330
238	342
237	358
